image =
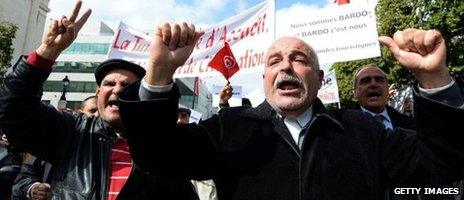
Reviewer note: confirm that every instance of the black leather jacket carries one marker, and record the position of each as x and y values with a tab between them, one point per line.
32	170
76	145
10	164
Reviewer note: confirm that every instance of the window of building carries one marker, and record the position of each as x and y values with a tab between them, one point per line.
74	86
87	48
82	67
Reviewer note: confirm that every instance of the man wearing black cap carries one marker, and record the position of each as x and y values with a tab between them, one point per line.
89	154
183	115
112	76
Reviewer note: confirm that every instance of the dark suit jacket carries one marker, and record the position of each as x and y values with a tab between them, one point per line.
398	119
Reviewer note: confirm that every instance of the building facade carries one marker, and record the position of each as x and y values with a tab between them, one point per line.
29	16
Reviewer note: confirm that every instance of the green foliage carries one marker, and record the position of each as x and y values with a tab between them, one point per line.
447	16
7	34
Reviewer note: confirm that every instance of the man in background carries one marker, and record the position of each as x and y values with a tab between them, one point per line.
371	90
183	115
89	106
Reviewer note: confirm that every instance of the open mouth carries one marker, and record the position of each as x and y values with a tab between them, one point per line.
288	85
374	94
113	103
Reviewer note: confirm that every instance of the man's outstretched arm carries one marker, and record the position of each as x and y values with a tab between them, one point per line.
434	155
30	125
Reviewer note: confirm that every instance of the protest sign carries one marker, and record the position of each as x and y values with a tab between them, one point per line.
329	89
235	100
337	33
195	116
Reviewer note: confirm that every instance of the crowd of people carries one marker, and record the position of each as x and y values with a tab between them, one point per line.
133	141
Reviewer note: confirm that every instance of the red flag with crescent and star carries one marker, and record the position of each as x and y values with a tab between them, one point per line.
224	62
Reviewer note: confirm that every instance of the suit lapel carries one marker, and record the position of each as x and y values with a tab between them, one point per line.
282	130
265	112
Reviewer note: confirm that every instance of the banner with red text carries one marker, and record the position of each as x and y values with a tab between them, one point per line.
130	44
249	34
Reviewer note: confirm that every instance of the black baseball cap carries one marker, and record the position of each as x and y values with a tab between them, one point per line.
111	64
184	110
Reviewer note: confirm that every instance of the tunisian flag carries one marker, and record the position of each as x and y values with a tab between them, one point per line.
340	2
224	62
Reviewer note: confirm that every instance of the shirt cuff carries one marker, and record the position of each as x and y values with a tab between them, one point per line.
156	88
435	90
38	61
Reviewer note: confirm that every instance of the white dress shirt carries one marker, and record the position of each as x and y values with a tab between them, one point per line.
295	125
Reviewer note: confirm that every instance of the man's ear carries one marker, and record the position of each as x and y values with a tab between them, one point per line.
97	91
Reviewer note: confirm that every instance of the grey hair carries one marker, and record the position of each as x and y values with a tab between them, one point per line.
356	73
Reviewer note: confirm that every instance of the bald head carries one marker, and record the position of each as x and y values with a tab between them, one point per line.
276	48
292	76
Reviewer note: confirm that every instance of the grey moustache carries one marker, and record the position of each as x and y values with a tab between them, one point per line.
287	78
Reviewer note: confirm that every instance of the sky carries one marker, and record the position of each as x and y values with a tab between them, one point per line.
147	14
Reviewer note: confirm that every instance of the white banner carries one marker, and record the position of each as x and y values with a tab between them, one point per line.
337	33
130	44
249	34
235	100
